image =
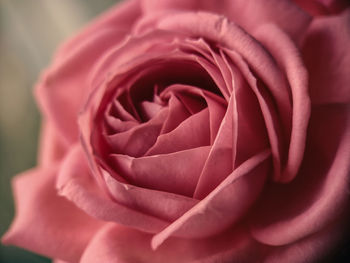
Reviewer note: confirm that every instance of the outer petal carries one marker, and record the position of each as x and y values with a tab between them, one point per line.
116	244
122	16
226	204
52	147
167	206
320	193
288	57
248	14
46	223
174	172
327	57
65	84
76	183
59	261
314	248
63	87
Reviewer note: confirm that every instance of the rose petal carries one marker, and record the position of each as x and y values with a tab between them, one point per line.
210	60
321	185
216	75
116	244
136	141
119	111
77	185
177	114
164	205
122	16
45	222
174	172
249	15
249	116
267	109
223	206
290	60
52	148
327	57
220	160
64	86
192	132
150	109
116	125
237	132
196	99
59	261
314	248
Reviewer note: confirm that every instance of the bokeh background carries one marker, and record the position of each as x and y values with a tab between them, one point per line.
30	31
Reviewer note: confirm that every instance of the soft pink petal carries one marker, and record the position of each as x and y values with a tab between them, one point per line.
164	205
248	14
215	74
220	162
176	172
249	115
192	132
59	261
63	88
177	114
315	248
45	222
122	16
224	205
76	184
196	99
150	109
136	50
136	141
319	193
51	147
116	125
327	57
65	85
211	61
119	111
271	119
289	59
116	244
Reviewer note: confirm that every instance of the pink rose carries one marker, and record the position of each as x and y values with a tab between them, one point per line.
192	131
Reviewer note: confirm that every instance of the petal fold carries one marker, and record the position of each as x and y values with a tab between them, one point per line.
224	205
76	183
46	223
321	185
327	57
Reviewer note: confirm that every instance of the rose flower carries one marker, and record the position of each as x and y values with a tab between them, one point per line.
193	131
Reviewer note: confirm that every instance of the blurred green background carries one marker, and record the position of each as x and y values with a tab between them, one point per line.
30	31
